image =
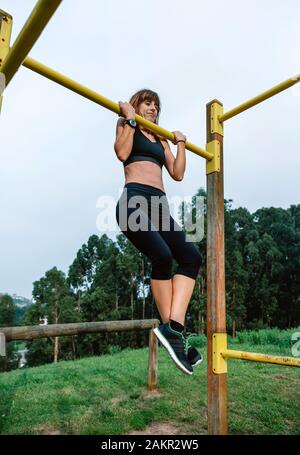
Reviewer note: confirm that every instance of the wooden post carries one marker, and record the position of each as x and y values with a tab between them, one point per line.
216	316
2	345
153	360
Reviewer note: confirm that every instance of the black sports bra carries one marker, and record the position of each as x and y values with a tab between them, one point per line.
145	150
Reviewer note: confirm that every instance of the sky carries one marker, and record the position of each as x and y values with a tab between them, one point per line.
57	155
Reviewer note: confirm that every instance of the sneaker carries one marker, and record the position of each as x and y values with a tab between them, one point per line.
193	355
174	343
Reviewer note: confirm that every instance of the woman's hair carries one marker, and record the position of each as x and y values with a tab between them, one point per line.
143	95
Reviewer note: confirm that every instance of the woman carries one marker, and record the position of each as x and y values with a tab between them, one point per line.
143	154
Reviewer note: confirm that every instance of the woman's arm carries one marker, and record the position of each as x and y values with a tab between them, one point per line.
180	161
124	132
175	166
124	140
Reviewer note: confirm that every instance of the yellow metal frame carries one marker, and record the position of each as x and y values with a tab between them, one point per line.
5	36
80	89
213	165
18	55
214	147
35	24
216	111
259	98
220	354
263	358
219	345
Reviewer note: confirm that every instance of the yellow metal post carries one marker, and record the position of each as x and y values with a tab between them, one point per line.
221	354
219	346
91	95
5	35
29	34
213	147
263	358
259	98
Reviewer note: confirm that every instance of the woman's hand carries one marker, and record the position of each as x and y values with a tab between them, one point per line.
178	137
126	110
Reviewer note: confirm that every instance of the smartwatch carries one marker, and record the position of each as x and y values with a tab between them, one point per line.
130	122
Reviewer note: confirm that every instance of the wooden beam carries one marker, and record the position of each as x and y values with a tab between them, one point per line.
55	330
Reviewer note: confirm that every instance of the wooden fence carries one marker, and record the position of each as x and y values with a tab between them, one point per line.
55	330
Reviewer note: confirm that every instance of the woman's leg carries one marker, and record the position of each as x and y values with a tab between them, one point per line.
162	293
150	243
182	291
189	260
172	297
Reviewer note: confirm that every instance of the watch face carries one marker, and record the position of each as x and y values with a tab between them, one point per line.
132	122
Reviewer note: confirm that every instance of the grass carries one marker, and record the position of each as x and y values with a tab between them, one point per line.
108	395
276	337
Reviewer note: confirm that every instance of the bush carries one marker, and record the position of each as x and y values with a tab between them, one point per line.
113	349
277	337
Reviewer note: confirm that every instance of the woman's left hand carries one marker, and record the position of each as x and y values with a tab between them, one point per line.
179	136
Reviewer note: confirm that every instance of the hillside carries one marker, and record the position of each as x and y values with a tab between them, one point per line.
21	303
108	395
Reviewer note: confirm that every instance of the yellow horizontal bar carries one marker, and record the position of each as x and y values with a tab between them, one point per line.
259	98
66	82
264	358
35	24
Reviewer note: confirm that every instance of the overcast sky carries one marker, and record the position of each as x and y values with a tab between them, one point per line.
57	155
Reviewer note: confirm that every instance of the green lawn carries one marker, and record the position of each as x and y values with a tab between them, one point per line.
108	395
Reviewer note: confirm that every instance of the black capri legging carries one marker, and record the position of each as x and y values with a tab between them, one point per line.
147	223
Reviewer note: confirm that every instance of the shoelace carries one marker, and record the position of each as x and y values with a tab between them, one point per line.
187	343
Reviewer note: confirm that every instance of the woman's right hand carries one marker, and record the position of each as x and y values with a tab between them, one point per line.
126	110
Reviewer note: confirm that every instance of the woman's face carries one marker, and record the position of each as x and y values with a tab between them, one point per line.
148	110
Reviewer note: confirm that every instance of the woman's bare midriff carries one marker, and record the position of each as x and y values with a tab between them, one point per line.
144	172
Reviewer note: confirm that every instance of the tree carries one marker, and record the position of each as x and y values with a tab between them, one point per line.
7	319
236	274
7	311
54	300
88	259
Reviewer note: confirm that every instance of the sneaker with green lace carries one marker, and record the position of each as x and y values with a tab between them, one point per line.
194	356
174	343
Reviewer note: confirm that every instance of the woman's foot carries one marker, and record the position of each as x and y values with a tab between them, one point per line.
194	356
174	343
